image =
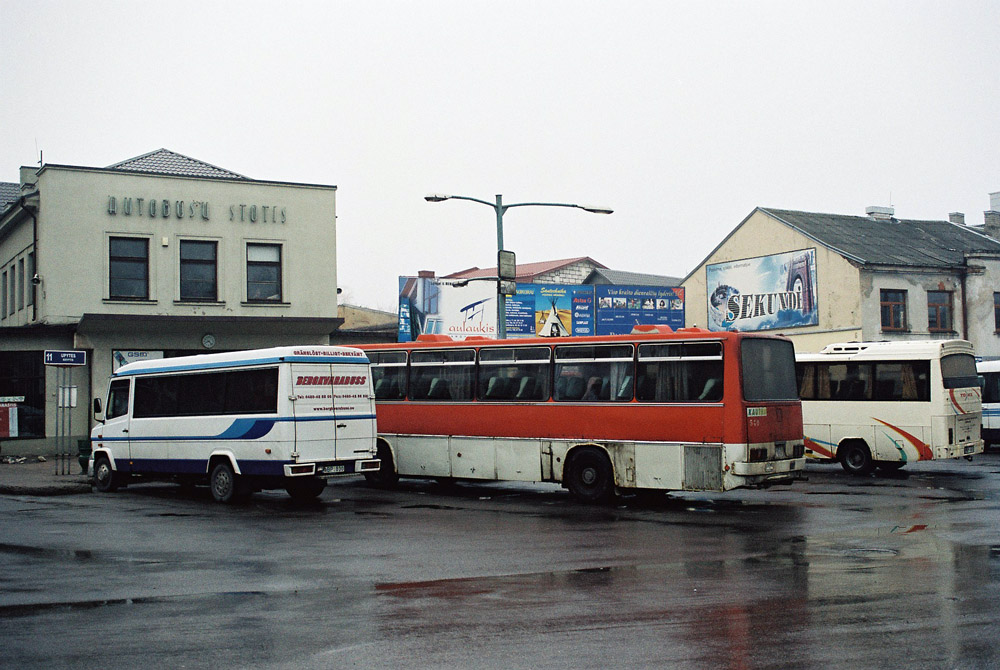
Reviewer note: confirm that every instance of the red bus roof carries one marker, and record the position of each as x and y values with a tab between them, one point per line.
659	334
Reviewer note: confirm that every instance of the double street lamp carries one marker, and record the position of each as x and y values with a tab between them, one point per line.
499	207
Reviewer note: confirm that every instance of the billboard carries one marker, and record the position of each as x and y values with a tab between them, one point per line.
763	293
619	308
550	310
438	307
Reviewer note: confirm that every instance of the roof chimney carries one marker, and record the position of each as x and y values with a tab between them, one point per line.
995	202
883	213
991	225
957	218
425	274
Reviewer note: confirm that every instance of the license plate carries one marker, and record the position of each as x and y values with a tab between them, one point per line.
332	469
970	449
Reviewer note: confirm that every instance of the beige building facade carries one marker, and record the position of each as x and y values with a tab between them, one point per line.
869	278
157	256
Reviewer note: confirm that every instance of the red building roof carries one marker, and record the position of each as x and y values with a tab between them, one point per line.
526	272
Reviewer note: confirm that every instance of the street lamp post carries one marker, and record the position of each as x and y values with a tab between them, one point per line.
500	208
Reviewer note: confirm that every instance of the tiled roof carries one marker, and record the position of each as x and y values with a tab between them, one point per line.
163	161
525	271
905	242
9	192
623	278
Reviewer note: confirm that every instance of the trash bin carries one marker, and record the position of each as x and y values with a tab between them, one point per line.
83	448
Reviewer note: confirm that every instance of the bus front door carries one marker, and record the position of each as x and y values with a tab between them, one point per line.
114	435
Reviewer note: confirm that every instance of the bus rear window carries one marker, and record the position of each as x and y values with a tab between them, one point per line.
768	370
959	371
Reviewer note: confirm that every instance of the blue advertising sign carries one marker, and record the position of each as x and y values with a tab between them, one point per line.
65	358
764	293
550	310
438	306
620	308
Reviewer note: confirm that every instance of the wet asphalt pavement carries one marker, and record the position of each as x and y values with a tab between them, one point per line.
836	572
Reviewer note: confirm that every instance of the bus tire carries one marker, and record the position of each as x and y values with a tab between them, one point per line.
855	458
225	483
386	476
589	475
106	480
303	490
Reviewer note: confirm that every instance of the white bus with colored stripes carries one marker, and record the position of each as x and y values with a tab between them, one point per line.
882	405
243	421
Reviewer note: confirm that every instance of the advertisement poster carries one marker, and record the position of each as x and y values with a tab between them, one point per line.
120	357
550	310
763	293
438	307
620	308
8	419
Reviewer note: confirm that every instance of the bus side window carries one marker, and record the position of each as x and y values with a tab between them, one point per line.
443	374
118	399
680	372
588	373
991	388
514	373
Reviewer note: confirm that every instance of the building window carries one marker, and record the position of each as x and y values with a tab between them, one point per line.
20	284
31	279
939	312
11	302
198	270
3	298
129	268
893	309
263	272
996	312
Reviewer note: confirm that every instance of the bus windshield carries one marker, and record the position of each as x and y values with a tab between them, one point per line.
959	371
768	370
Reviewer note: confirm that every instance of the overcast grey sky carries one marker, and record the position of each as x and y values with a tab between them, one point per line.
682	116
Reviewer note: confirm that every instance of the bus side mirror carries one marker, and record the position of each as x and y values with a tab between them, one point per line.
98	414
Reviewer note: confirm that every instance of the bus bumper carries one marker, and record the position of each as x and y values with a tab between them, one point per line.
766	469
959	450
331	468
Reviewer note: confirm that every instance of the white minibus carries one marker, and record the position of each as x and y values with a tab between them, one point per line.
886	404
286	417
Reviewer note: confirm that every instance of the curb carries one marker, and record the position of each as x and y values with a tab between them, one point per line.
45	490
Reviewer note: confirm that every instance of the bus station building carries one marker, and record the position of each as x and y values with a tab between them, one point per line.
156	256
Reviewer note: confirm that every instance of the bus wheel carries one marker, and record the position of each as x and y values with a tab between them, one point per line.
386	476
589	476
105	479
855	458
225	484
302	490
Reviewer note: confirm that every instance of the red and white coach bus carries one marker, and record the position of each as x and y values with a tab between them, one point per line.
689	410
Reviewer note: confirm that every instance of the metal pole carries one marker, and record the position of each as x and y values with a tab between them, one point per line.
501	297
59	415
69	418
